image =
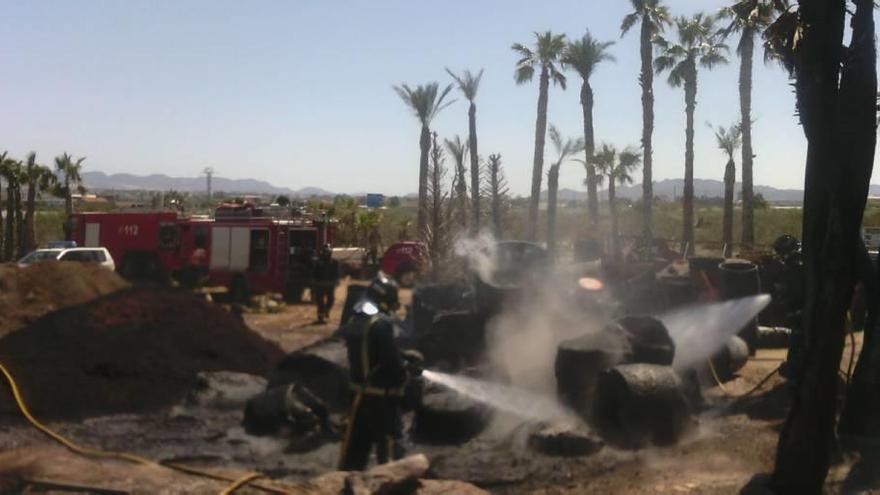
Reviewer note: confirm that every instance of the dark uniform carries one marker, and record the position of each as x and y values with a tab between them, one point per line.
325	278
378	377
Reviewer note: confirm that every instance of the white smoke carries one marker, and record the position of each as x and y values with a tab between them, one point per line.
480	253
522	339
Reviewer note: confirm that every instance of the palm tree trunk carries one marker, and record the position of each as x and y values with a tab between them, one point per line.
840	127
646	80
19	224
860	417
552	189
29	220
612	208
475	168
2	230
538	164
745	107
68	196
424	147
9	247
729	182
589	149
690	103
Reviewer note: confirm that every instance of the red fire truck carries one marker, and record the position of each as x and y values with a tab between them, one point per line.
238	248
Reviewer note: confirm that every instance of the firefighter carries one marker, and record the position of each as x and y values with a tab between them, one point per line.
325	278
379	374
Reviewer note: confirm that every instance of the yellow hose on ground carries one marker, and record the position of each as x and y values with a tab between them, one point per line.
244	480
88	452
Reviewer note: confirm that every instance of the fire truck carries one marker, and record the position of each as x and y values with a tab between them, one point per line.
238	248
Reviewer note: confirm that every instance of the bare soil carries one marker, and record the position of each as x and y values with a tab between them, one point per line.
736	438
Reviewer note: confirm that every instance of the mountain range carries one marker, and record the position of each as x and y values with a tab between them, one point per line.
667	188
710	188
161	182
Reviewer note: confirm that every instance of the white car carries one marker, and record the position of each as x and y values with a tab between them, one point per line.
81	254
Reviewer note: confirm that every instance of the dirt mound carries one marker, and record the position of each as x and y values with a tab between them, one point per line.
135	350
28	293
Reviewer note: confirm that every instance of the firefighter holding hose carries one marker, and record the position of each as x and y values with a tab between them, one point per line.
379	371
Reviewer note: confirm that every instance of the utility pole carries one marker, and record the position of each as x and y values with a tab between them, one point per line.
209	172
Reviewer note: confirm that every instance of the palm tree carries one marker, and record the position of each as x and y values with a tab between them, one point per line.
583	56
11	171
496	190
38	178
654	17
3	160
565	150
457	149
698	46
435	233
469	84
617	168
747	17
71	171
547	57
729	139
426	101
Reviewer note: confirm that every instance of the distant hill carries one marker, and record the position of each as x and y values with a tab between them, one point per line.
160	182
710	188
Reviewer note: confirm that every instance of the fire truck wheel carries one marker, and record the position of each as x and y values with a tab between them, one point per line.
238	290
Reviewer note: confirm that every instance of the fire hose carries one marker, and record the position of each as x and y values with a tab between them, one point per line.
124	456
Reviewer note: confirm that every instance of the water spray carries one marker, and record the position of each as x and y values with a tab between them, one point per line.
515	400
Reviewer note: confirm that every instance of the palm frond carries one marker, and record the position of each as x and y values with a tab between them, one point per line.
585	54
628	22
467	83
524	74
557	77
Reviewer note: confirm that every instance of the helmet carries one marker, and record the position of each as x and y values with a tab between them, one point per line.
383	290
785	245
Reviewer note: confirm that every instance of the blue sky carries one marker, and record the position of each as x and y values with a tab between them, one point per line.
299	92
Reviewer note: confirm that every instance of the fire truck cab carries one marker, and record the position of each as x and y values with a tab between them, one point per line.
236	249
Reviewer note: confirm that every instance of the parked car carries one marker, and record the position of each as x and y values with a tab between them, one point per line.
82	254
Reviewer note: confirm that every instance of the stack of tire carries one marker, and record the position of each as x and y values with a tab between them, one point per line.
621	381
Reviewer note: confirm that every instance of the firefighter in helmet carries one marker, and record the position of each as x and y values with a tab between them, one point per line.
325	279
379	372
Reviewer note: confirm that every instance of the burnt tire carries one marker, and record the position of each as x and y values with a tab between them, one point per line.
239	292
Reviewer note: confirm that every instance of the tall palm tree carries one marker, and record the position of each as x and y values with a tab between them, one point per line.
458	149
729	140
583	56
565	150
698	46
747	17
71	171
3	158
654	16
469	84
38	178
11	171
435	233
496	190
426	101
546	56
